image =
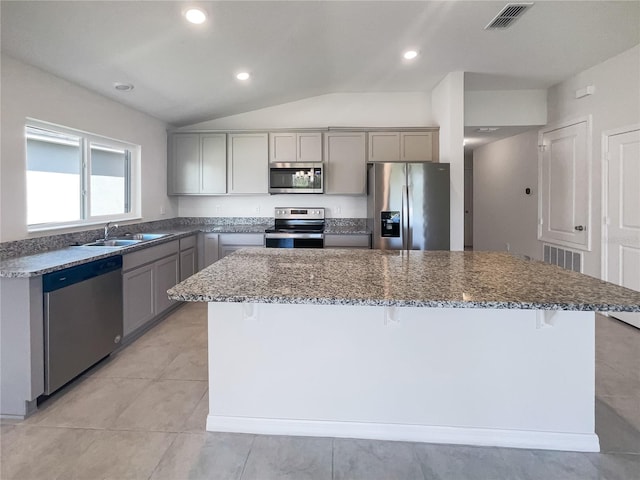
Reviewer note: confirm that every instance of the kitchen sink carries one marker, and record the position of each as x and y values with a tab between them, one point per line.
126	240
145	237
116	242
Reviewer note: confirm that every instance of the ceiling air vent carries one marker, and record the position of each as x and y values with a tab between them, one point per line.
508	15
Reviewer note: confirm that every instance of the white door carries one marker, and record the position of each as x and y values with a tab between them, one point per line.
622	235
564	186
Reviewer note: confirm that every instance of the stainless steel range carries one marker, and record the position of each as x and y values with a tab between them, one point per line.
296	228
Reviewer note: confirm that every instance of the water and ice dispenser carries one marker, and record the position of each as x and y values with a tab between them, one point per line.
390	224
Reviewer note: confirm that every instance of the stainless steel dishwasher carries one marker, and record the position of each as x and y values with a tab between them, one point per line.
82	318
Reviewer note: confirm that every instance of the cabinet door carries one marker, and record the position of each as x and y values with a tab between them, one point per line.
346	163
166	276
282	147
384	146
309	146
416	146
187	263
185	163
248	163
213	151
210	248
138	298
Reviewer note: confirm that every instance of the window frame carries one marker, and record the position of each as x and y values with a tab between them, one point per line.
87	140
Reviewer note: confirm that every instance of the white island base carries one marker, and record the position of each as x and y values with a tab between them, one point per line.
475	376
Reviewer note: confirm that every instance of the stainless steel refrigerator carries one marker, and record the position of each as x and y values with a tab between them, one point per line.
408	205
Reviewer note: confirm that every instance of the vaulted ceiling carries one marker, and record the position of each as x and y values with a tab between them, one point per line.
184	73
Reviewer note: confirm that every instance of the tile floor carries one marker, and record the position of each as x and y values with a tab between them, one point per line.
141	415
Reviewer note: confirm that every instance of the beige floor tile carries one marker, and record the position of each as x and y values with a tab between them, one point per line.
120	455
93	403
30	453
164	405
208	456
197	421
191	313
190	364
627	407
611	382
138	361
175	334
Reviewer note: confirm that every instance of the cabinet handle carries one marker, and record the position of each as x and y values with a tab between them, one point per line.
579	228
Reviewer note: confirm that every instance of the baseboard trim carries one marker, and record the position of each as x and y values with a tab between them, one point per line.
409	433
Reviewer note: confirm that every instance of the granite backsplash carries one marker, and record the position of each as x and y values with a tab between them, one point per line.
31	246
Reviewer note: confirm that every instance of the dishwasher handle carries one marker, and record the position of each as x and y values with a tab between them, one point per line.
69	276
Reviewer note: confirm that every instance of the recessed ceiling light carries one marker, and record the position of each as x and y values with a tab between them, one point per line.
195	15
410	54
243	76
123	87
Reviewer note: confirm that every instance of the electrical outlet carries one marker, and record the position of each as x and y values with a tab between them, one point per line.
163	211
338	210
258	209
218	208
508	246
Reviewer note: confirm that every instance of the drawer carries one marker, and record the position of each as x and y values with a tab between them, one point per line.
187	242
253	239
347	241
151	254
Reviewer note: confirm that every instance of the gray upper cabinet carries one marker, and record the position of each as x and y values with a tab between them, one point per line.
197	164
248	163
403	146
345	159
289	147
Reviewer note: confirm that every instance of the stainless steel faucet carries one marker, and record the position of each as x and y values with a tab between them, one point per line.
107	229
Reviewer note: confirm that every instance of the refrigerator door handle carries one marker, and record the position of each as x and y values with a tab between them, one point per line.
405	218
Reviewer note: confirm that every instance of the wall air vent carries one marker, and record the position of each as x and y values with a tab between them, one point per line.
508	15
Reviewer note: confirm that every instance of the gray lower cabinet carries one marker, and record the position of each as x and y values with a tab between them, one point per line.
146	276
347	241
209	248
230	242
188	257
137	296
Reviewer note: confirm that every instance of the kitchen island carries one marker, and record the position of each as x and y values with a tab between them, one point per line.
449	347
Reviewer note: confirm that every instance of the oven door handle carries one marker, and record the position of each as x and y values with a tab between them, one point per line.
294	235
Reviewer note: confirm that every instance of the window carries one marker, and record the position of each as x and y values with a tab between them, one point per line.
76	178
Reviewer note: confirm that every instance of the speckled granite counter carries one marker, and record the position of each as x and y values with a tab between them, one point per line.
392	278
53	260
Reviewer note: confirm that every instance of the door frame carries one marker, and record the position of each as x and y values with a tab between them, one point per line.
588	119
604	260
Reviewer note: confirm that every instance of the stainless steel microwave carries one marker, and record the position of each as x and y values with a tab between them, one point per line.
296	178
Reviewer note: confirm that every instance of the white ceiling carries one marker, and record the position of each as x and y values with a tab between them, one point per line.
184	73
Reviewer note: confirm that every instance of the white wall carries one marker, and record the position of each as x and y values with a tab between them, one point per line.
333	110
448	111
338	206
402	109
615	103
505	107
502	212
31	92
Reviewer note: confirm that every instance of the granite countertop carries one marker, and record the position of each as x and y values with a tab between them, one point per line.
54	260
394	278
